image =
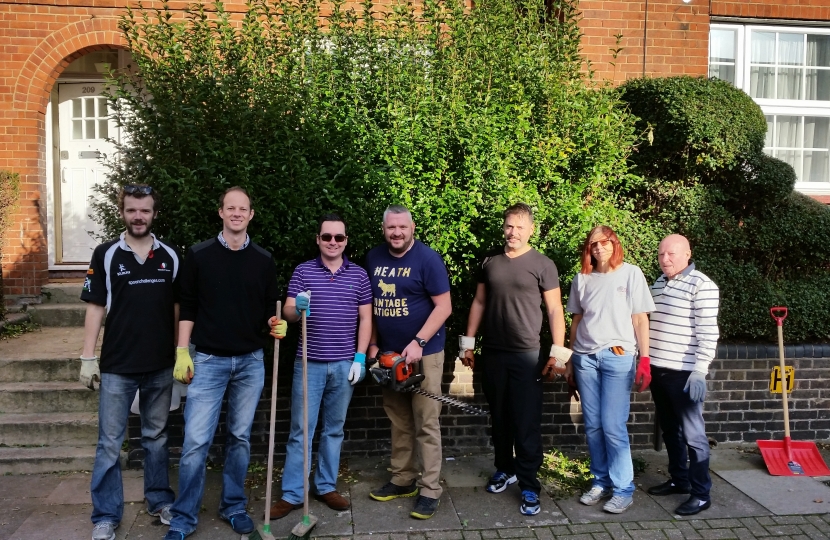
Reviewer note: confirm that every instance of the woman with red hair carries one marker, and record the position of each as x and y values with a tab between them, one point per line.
610	302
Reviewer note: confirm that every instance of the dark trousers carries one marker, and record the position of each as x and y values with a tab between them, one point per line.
684	432
513	389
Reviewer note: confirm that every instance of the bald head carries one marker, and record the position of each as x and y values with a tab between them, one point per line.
674	254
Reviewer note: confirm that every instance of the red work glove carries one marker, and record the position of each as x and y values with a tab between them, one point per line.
643	376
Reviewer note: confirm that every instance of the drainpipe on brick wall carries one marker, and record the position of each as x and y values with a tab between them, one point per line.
645	38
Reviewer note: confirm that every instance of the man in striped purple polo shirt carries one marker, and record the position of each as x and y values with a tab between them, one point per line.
339	328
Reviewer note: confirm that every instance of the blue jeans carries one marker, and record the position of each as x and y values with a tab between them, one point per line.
684	431
604	382
243	377
116	395
328	385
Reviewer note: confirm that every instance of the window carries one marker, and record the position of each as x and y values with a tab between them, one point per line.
786	70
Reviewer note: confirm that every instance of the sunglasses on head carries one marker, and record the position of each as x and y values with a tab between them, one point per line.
326	237
133	189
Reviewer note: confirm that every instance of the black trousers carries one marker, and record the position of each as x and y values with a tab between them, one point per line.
684	431
513	389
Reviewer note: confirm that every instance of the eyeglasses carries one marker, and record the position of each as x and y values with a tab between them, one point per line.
326	237
133	188
604	243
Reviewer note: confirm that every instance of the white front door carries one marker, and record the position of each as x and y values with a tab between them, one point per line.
84	125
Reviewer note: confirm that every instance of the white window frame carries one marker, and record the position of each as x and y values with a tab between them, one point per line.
786	107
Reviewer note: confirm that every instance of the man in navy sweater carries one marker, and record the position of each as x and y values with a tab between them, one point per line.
228	293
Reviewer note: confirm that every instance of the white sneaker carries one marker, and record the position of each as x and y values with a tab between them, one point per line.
595	494
104	531
163	514
618	504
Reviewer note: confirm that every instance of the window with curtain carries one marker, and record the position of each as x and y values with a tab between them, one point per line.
786	70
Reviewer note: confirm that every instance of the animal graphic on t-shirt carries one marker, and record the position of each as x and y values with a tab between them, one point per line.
387	288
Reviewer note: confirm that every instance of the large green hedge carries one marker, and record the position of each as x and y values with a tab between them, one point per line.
705	176
454	112
9	193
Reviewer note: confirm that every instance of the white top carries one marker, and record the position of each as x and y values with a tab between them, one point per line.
607	301
683	331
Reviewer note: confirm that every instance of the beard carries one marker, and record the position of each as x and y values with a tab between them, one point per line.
142	234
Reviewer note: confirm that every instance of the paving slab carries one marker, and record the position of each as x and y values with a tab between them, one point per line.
68	522
781	494
46	343
467	471
74	489
478	509
13	512
28	486
372	516
643	509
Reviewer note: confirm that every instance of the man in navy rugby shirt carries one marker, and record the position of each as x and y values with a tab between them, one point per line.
339	328
133	281
683	337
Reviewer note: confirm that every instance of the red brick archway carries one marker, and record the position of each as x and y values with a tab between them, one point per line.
23	124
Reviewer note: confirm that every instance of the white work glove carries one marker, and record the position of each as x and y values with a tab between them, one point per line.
466	346
358	370
557	362
303	302
696	386
90	372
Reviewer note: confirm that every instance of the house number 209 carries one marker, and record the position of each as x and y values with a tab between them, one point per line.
88	90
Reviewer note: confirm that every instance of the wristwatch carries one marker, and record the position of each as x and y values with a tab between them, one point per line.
420	341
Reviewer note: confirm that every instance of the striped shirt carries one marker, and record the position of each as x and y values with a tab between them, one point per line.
335	297
683	332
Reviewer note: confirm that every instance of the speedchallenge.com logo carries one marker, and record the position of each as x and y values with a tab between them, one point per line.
143	281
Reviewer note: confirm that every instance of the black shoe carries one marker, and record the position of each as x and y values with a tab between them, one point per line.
425	507
692	506
668	488
393	491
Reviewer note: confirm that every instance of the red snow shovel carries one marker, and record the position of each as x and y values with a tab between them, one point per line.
790	458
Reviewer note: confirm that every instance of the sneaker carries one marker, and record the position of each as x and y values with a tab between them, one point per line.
618	504
241	523
393	491
104	530
425	507
163	514
175	535
530	503
595	494
499	482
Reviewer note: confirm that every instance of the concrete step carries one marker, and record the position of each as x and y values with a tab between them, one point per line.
36	460
39	370
45	397
49	429
62	293
58	314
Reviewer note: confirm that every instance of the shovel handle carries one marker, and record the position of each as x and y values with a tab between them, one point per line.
779	313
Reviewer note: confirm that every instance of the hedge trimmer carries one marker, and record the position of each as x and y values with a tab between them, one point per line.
392	371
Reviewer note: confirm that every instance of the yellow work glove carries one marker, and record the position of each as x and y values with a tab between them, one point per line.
278	327
184	370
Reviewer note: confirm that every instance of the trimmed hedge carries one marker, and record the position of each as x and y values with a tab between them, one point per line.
708	179
9	194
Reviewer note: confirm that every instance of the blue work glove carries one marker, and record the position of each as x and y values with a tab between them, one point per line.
696	386
303	301
358	370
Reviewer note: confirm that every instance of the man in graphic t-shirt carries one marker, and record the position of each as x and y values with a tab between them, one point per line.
411	301
133	281
513	281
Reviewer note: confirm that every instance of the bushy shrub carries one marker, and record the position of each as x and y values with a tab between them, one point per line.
763	244
453	112
700	127
9	194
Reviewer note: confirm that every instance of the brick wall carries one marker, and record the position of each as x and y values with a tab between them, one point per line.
739	408
807	10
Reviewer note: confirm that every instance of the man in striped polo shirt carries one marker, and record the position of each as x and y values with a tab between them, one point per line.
339	328
683	336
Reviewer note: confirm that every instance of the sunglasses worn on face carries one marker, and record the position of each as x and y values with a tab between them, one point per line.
133	189
603	243
326	237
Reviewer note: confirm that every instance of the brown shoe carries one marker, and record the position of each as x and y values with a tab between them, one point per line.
334	500
282	508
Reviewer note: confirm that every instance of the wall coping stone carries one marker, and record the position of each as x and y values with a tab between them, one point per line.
742	351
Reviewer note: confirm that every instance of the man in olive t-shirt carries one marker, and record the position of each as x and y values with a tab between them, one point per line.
513	281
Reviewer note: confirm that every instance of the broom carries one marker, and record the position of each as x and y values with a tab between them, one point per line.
302	530
263	532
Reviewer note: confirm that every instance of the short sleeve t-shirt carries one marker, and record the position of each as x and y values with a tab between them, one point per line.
512	314
402	288
139	297
607	301
335	298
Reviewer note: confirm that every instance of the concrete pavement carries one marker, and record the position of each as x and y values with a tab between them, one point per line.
747	503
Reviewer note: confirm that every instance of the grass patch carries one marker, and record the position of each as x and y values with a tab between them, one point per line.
13	330
563	476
